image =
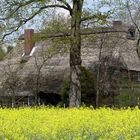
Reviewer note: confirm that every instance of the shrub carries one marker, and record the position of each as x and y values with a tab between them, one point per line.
88	92
2	54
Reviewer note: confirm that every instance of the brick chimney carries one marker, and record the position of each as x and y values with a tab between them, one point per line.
28	42
117	24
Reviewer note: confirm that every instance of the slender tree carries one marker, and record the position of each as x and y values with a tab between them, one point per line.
11	81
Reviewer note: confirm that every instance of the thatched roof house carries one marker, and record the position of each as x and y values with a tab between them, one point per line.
42	66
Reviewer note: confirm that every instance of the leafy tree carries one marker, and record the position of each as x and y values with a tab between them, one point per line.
16	13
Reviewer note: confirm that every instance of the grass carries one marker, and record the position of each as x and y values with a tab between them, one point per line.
46	123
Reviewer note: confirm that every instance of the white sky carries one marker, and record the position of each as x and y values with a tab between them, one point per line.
87	4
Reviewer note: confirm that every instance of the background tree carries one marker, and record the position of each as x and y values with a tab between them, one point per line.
129	12
11	81
36	77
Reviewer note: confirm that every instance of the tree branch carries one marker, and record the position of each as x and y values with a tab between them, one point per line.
22	22
67	5
20	5
68	34
97	16
128	8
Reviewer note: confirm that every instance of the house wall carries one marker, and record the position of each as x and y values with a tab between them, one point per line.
133	76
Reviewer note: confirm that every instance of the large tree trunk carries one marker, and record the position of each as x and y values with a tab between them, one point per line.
75	55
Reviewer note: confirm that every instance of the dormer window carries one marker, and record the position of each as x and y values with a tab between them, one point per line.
131	33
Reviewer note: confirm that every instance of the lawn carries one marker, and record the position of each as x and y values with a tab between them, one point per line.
46	123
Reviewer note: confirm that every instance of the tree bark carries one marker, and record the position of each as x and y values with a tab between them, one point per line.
13	99
75	55
98	72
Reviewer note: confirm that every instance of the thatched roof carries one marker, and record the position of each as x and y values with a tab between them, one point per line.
55	68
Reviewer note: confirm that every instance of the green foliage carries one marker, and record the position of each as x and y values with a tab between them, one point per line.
2	54
58	29
128	94
65	92
88	92
88	86
127	97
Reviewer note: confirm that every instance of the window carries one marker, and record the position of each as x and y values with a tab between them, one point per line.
138	76
131	33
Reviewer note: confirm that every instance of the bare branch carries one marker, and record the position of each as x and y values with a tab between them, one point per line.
19	5
44	7
128	8
22	22
67	5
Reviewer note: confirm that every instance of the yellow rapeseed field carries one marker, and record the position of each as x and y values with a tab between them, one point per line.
46	123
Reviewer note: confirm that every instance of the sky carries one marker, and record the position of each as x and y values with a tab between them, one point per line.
88	4
65	13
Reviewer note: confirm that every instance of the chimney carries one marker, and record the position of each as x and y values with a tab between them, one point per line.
117	24
28	43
